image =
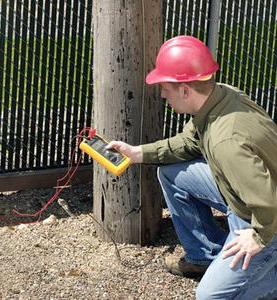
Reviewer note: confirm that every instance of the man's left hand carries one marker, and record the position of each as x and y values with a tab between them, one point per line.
243	247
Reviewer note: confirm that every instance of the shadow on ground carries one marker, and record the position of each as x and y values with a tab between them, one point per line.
78	198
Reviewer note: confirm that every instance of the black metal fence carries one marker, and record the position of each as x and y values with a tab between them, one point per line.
46	68
45	80
242	35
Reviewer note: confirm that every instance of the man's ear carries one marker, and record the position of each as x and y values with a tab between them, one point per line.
184	88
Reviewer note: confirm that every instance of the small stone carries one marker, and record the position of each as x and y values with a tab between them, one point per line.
50	220
22	226
4	229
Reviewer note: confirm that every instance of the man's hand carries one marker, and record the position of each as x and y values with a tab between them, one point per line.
133	152
243	247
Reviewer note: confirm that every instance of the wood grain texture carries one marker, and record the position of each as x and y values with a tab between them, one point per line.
126	42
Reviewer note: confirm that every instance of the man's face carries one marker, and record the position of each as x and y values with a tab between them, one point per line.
177	95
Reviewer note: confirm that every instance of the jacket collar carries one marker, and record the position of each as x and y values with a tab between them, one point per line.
200	119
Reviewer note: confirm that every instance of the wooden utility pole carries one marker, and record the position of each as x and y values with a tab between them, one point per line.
127	36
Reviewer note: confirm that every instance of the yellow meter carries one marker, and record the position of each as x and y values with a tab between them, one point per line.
111	159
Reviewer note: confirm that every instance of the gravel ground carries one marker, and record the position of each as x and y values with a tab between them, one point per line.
61	257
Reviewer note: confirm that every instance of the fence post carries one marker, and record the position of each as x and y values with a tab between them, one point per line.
127	35
214	17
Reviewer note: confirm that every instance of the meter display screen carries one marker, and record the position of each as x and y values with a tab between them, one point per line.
100	146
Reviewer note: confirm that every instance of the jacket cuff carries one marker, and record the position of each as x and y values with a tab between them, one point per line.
149	154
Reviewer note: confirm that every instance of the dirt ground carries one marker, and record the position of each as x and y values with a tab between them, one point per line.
61	257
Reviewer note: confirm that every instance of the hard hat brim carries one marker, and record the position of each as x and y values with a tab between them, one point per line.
204	78
155	77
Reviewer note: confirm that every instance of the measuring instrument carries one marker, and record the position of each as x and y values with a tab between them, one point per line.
111	159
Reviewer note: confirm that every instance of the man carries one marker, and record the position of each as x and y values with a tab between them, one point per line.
226	159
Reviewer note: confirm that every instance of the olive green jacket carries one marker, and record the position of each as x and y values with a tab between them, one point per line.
239	141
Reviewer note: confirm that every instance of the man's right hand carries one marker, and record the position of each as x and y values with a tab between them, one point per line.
133	152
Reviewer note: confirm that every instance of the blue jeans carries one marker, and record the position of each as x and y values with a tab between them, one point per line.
190	192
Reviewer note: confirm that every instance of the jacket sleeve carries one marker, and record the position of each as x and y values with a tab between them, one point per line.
183	146
252	181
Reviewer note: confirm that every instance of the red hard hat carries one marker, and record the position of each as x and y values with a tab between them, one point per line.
182	59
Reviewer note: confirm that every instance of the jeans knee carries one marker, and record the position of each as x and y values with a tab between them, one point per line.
208	290
212	289
204	293
201	293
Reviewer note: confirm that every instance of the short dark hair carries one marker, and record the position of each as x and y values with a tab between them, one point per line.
202	87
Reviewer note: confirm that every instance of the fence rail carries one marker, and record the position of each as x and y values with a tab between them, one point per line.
46	68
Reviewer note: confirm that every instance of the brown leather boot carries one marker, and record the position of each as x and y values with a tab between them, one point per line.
179	266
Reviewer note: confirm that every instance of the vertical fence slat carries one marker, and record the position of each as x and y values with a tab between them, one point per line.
65	64
250	60
28	97
245	46
190	19
48	156
35	72
90	96
203	21
232	46
273	82
241	36
220	46
42	86
13	94
227	37
2	70
265	59
76	95
258	10
71	78
37	84
169	19
176	18
8	80
183	17
50	111
57	86
33	84
45	74
87	63
196	26
22	89
89	90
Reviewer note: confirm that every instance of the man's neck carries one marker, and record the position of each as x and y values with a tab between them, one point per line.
201	100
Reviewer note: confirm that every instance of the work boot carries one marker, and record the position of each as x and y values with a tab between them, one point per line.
179	266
